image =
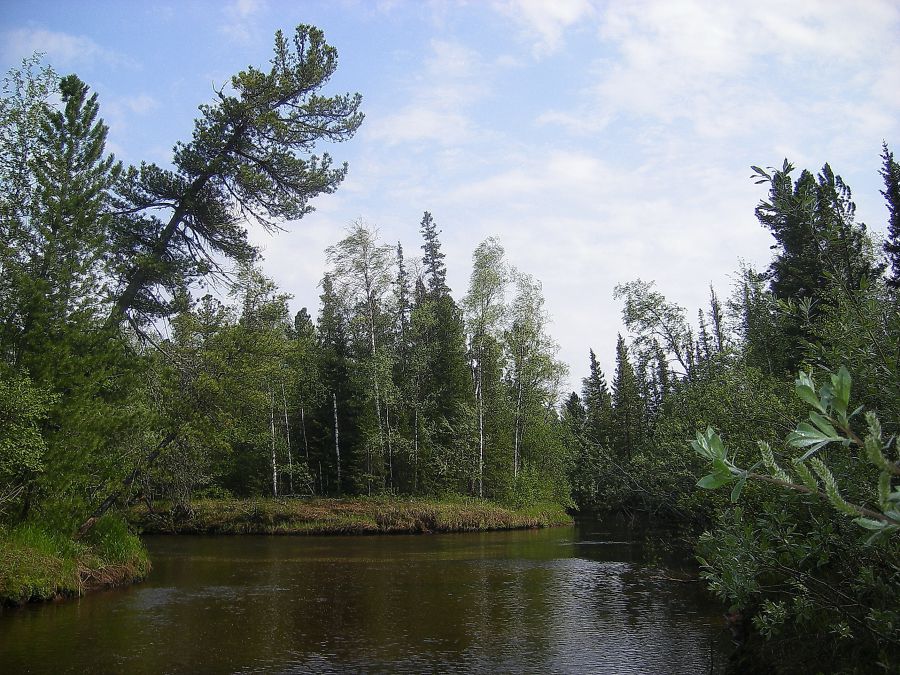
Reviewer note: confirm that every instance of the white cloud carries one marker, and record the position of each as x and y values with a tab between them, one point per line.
240	20
450	82
62	49
141	104
544	22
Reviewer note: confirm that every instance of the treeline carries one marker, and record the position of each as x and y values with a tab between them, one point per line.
116	383
94	256
396	388
803	545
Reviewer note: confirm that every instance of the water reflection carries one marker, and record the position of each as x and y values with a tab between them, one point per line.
563	600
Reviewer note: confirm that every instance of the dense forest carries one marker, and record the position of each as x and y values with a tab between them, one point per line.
123	379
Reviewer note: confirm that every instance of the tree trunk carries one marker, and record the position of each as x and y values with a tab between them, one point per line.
337	445
480	399
274	464
305	442
517	434
133	476
287	434
387	422
416	451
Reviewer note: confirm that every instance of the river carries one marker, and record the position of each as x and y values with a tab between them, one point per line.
600	597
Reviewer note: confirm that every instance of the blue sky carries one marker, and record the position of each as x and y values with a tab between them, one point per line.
600	141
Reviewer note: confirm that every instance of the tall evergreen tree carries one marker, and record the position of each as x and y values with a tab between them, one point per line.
818	244
597	402
628	407
890	173
433	259
445	383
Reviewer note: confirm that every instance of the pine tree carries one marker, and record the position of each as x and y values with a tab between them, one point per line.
718	320
818	245
335	414
244	160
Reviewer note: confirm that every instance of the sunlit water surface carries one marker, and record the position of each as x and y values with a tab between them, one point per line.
598	597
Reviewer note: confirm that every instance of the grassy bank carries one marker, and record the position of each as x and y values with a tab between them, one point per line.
37	564
346	516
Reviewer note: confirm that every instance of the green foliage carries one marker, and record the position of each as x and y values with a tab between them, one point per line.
830	403
23	407
37	563
890	173
248	157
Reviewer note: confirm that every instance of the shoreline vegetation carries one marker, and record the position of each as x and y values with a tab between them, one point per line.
36	565
349	516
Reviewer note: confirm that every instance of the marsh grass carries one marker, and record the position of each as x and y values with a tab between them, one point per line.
360	515
39	564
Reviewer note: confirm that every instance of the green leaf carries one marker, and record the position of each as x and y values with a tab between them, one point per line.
736	490
823	425
708	444
813	450
840	385
808	394
869	523
713	481
806	434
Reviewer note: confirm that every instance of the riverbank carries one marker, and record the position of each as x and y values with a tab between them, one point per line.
358	515
37	564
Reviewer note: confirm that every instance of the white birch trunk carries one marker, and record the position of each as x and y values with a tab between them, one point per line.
303	425
480	398
287	433
337	445
272	427
416	451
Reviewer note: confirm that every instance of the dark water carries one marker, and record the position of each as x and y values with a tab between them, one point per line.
595	598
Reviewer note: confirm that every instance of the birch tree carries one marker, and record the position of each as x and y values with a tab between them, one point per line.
485	310
361	268
534	371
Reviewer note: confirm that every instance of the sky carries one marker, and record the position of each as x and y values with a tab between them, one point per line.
599	141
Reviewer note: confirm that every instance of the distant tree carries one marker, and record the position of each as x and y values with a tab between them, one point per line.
628	407
433	260
361	271
335	412
534	373
597	403
485	308
890	172
655	321
818	243
437	324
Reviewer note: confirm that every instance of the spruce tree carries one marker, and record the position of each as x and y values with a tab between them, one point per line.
628	407
433	258
890	173
597	403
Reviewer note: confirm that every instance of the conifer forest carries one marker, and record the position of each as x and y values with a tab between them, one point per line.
151	371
